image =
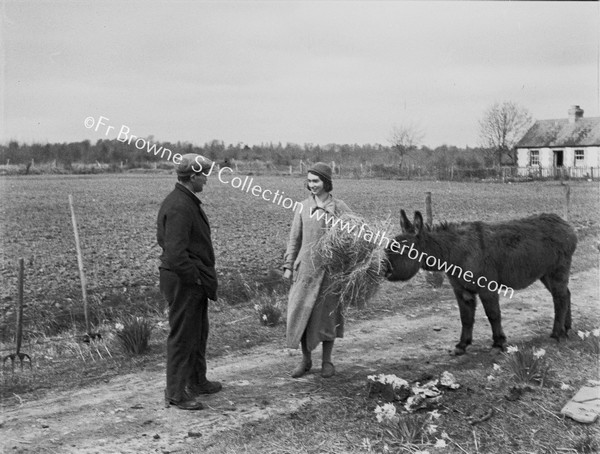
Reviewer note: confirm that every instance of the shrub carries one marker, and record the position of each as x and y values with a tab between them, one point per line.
591	340
133	334
268	308
527	365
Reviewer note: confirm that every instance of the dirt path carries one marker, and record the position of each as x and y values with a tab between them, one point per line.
127	414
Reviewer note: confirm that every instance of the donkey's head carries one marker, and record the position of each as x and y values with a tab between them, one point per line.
402	254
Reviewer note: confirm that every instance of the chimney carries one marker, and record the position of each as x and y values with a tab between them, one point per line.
575	113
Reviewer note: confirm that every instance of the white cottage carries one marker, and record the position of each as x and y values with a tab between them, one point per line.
569	146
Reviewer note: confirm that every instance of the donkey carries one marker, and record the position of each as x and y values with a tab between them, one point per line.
475	255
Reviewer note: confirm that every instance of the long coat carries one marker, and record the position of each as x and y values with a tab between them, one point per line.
309	309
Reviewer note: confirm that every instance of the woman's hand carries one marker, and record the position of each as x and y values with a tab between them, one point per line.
287	274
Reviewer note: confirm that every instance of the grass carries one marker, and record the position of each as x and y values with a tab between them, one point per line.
343	419
527	365
353	258
116	215
133	334
340	417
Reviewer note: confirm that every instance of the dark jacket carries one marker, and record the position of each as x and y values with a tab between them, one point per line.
183	233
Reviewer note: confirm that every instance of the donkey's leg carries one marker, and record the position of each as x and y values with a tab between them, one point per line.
557	283
490	301
466	305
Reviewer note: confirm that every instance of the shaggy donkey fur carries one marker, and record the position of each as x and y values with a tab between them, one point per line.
514	254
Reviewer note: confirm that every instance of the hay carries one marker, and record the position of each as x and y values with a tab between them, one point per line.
353	258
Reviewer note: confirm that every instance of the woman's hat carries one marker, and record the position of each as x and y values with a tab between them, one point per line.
322	170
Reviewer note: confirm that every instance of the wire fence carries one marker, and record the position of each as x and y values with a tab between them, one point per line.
425	172
345	169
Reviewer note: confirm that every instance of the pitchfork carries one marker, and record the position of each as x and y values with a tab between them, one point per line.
19	335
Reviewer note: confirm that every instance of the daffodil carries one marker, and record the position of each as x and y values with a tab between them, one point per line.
387	411
582	334
434	414
440	443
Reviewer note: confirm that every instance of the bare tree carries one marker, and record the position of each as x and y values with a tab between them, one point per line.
405	139
501	127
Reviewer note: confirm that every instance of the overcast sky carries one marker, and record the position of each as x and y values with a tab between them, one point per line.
300	72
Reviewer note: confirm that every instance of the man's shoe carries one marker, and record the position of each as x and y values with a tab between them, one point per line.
208	387
186	403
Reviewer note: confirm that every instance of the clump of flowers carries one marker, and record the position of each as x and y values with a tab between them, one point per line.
527	365
133	334
268	310
409	429
591	340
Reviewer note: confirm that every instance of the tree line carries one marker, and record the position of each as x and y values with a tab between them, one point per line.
500	128
121	154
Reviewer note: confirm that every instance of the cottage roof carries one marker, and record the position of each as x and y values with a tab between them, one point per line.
562	133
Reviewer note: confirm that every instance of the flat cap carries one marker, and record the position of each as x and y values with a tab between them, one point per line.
193	163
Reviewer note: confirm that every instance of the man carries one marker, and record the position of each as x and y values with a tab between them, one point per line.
187	281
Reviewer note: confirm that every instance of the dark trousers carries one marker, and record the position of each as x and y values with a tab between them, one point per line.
186	344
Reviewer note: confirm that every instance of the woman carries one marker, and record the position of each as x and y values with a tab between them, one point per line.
312	315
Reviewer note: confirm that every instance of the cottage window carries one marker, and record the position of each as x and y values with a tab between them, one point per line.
579	158
534	158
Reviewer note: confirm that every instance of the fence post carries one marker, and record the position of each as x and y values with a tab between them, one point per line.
428	212
567	202
80	264
434	278
290	171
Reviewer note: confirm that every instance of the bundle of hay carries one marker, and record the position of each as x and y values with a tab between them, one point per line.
354	258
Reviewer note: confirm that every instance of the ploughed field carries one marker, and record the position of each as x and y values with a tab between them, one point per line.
116	216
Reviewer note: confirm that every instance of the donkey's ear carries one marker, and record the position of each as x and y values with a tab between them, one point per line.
418	222
405	224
